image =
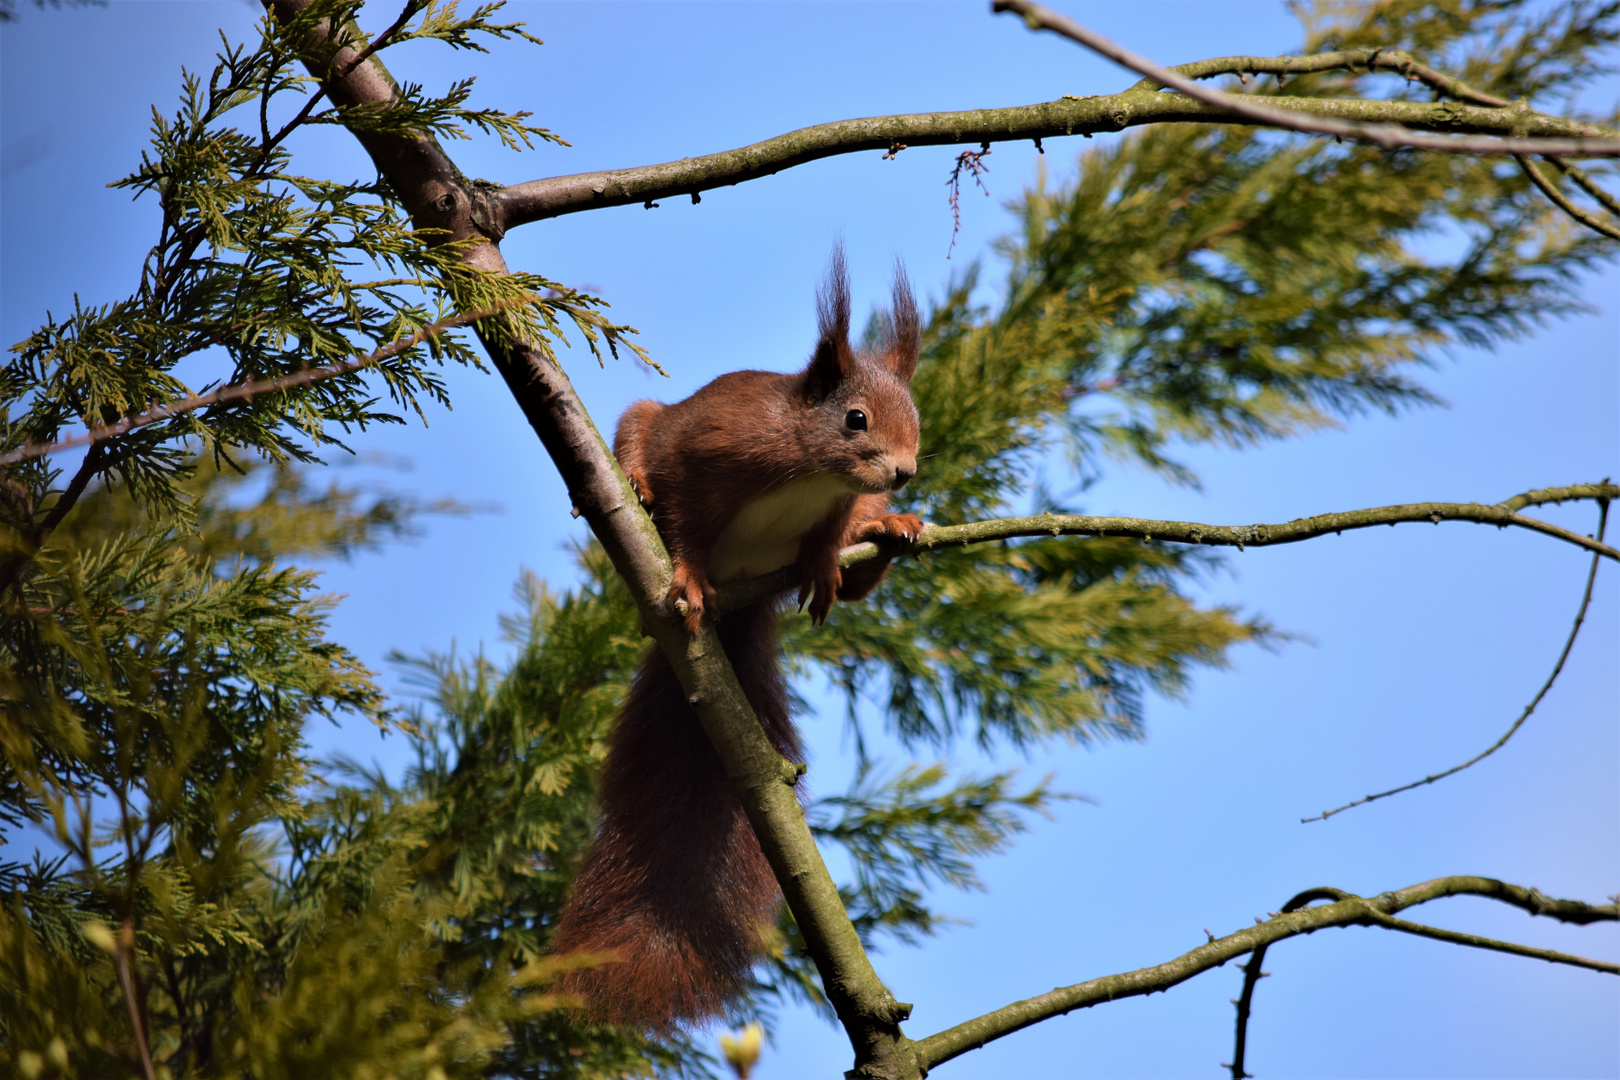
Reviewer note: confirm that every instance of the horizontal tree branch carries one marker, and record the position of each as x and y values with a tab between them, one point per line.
1346	910
1396	61
935	537
1593	140
1530	132
247	391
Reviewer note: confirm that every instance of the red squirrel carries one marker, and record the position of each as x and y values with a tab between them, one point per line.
755	471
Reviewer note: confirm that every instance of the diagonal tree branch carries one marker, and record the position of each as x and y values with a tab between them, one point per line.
16	561
1586	184
1593	140
1476	941
1569	643
247	391
1403	63
1560	200
1345	910
438	196
935	537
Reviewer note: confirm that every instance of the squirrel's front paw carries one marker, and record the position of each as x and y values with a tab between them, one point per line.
907	527
691	593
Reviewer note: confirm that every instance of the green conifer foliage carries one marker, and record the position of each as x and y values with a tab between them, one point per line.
1192	284
210	901
161	660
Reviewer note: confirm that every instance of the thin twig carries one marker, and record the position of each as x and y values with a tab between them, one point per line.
123	946
13	565
64	502
1569	643
973	162
1387	136
1475	941
248	390
1558	199
1586	183
1252	974
381	41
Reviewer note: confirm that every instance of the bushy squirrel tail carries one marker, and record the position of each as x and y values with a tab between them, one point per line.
675	883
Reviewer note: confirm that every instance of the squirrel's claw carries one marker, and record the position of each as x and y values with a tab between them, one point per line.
691	593
859	581
907	527
821	591
643	490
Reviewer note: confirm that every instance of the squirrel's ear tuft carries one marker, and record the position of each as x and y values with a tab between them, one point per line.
833	360
832	299
906	329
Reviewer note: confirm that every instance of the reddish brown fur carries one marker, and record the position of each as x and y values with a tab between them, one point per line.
676	883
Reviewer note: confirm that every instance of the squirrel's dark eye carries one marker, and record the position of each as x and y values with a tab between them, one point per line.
855	420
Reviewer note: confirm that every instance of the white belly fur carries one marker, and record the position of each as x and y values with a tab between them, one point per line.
765	533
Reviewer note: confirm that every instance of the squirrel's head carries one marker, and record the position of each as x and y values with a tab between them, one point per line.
867	427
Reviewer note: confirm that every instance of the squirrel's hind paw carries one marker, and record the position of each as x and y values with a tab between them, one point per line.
820	589
638	484
691	594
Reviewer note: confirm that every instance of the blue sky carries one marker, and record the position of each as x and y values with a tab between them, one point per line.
1424	643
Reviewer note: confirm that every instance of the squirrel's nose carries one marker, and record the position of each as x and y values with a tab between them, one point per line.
901	476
